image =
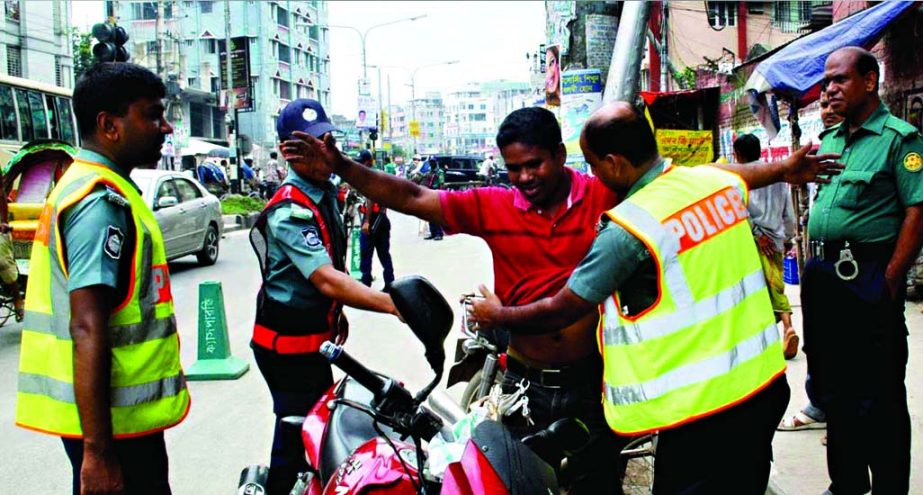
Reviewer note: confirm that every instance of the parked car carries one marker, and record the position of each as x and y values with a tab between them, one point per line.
462	171
188	215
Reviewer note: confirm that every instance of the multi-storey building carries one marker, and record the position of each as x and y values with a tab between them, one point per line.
430	113
36	42
289	58
474	113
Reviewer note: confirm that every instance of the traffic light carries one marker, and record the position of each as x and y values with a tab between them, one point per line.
373	134
111	46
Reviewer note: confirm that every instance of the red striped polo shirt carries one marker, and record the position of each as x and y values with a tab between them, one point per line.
533	255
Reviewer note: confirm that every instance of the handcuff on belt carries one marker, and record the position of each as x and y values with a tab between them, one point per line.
846	260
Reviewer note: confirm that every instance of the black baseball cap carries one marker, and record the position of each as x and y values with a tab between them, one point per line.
364	156
303	115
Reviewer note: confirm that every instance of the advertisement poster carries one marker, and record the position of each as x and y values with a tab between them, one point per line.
685	147
367	114
558	16
582	95
239	94
552	76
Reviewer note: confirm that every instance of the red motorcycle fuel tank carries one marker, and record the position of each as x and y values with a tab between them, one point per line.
315	425
472	475
375	468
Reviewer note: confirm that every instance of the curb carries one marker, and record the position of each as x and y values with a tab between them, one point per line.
233	223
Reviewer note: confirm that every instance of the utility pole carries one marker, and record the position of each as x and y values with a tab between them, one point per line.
390	119
159	38
381	121
230	116
664	27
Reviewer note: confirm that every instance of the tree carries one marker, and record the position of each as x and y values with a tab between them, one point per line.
83	51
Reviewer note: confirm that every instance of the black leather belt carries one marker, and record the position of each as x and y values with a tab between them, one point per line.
576	373
868	251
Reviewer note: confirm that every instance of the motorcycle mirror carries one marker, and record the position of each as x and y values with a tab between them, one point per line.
427	314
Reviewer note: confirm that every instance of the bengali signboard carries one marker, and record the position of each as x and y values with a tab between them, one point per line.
239	95
685	147
581	96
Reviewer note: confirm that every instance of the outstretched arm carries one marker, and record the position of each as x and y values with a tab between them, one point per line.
542	316
799	168
387	190
341	287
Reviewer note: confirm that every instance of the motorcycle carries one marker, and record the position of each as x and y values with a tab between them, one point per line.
480	358
367	432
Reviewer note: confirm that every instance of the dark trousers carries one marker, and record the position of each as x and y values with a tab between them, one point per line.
727	452
379	241
856	345
143	461
296	382
435	230
596	468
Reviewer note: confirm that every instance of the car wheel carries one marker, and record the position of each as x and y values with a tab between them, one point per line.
209	254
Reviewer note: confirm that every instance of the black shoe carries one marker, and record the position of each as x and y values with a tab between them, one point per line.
428	238
437	238
386	289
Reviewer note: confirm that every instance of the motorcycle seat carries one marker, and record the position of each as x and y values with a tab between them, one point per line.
347	429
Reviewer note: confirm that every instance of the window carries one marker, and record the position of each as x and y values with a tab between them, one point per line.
285	53
206	6
12	10
25	122
39	115
58	71
147	11
150	47
722	14
285	90
282	16
65	119
14	60
210	45
166	190
8	128
192	82
187	191
216	83
791	17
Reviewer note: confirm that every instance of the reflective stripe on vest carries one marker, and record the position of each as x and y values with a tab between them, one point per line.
148	387
710	340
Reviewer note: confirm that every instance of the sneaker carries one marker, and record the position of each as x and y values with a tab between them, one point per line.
790	343
801	421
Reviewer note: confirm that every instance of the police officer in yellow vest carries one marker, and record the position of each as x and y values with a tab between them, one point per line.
687	332
300	241
99	361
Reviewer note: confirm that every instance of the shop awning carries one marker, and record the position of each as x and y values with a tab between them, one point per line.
199	147
796	70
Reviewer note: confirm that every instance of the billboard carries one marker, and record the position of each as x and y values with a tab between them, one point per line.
552	76
581	96
367	112
239	95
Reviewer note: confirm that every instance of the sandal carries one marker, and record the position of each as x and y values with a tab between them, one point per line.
801	421
790	344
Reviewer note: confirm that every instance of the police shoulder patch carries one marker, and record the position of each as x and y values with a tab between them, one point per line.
311	237
114	239
913	162
300	212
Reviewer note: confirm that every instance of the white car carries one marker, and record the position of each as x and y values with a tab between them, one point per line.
188	215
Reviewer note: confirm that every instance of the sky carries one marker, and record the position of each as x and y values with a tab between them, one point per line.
489	39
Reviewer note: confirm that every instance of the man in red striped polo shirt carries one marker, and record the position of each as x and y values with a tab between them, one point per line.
537	233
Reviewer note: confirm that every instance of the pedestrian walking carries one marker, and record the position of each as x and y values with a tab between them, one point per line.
689	344
300	241
537	233
437	183
375	236
866	228
772	221
99	362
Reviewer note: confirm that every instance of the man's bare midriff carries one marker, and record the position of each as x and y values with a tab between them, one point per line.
566	346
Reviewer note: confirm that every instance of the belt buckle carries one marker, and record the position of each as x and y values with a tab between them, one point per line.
549	373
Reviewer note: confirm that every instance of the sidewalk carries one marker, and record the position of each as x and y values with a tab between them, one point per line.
800	460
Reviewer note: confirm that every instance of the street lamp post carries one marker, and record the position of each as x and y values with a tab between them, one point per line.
413	94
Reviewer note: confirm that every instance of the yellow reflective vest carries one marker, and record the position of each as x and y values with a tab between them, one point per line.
709	341
148	388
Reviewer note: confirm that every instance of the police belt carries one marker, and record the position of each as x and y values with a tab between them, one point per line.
289	344
564	376
287	330
868	251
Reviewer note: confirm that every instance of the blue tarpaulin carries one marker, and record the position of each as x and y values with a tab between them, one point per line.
796	70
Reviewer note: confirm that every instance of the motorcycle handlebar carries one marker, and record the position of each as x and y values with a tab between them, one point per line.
341	359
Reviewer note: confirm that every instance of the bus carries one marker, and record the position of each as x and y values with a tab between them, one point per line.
32	110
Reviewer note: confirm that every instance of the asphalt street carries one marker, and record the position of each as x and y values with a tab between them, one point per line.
230	423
